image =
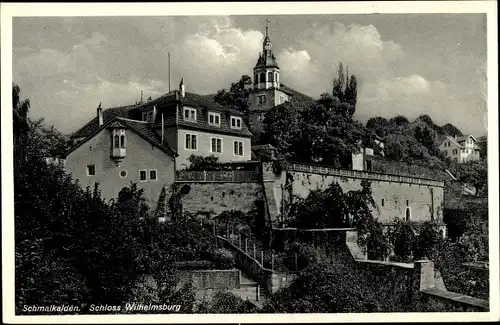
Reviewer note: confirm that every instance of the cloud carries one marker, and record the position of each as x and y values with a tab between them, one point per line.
69	68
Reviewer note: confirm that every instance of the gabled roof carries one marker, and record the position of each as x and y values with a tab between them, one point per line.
108	114
452	139
464	137
190	99
142	129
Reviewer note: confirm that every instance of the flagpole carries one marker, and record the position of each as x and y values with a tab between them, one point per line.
168	71
162	128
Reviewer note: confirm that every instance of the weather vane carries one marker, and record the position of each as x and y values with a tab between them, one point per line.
267	23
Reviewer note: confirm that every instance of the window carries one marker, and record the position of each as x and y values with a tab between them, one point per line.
270	76
90	170
282	99
117	141
189	114
262	99
214	119
238	148
262	77
455	151
216	145
408	214
383	201
407	202
122	141
152	175
235	122
142	175
191	141
123	173
369	165
255	79
147	116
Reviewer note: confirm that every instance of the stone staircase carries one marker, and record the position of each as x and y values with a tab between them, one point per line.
249	290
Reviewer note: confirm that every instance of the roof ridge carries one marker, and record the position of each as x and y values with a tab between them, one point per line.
128	119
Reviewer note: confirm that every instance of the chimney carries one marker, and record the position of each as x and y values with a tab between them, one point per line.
154	114
182	88
99	115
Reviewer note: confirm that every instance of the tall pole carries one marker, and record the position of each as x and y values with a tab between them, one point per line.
168	71
162	129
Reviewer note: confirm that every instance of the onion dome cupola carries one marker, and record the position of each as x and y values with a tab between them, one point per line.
266	71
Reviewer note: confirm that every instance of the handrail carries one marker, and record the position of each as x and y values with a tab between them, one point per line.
307	168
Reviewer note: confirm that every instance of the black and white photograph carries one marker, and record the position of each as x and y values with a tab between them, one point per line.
242	162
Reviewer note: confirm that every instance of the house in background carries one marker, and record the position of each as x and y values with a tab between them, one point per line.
460	148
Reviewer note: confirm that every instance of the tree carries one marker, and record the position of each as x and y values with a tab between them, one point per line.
237	96
20	109
281	129
475	173
426	136
326	288
344	92
483	146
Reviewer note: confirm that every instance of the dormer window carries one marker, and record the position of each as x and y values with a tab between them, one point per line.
147	116
214	119
189	114
235	122
118	145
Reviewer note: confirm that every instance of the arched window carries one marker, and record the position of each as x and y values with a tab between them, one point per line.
270	76
117	141
262	77
408	214
255	78
122	141
276	76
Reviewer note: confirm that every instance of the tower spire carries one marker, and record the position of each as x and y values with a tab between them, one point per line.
267	26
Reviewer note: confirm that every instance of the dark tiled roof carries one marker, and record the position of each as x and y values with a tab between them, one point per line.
297	96
143	129
146	131
108	114
192	100
266	61
263	146
202	124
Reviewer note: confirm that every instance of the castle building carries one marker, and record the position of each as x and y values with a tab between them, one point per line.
150	142
267	90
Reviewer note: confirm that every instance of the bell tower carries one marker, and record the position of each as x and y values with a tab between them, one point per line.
266	72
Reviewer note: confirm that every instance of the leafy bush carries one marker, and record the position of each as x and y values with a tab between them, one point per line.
222	258
195	265
204	163
224	302
325	288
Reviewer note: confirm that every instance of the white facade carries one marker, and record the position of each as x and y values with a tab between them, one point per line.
460	149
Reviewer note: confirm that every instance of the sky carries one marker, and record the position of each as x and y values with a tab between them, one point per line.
408	64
